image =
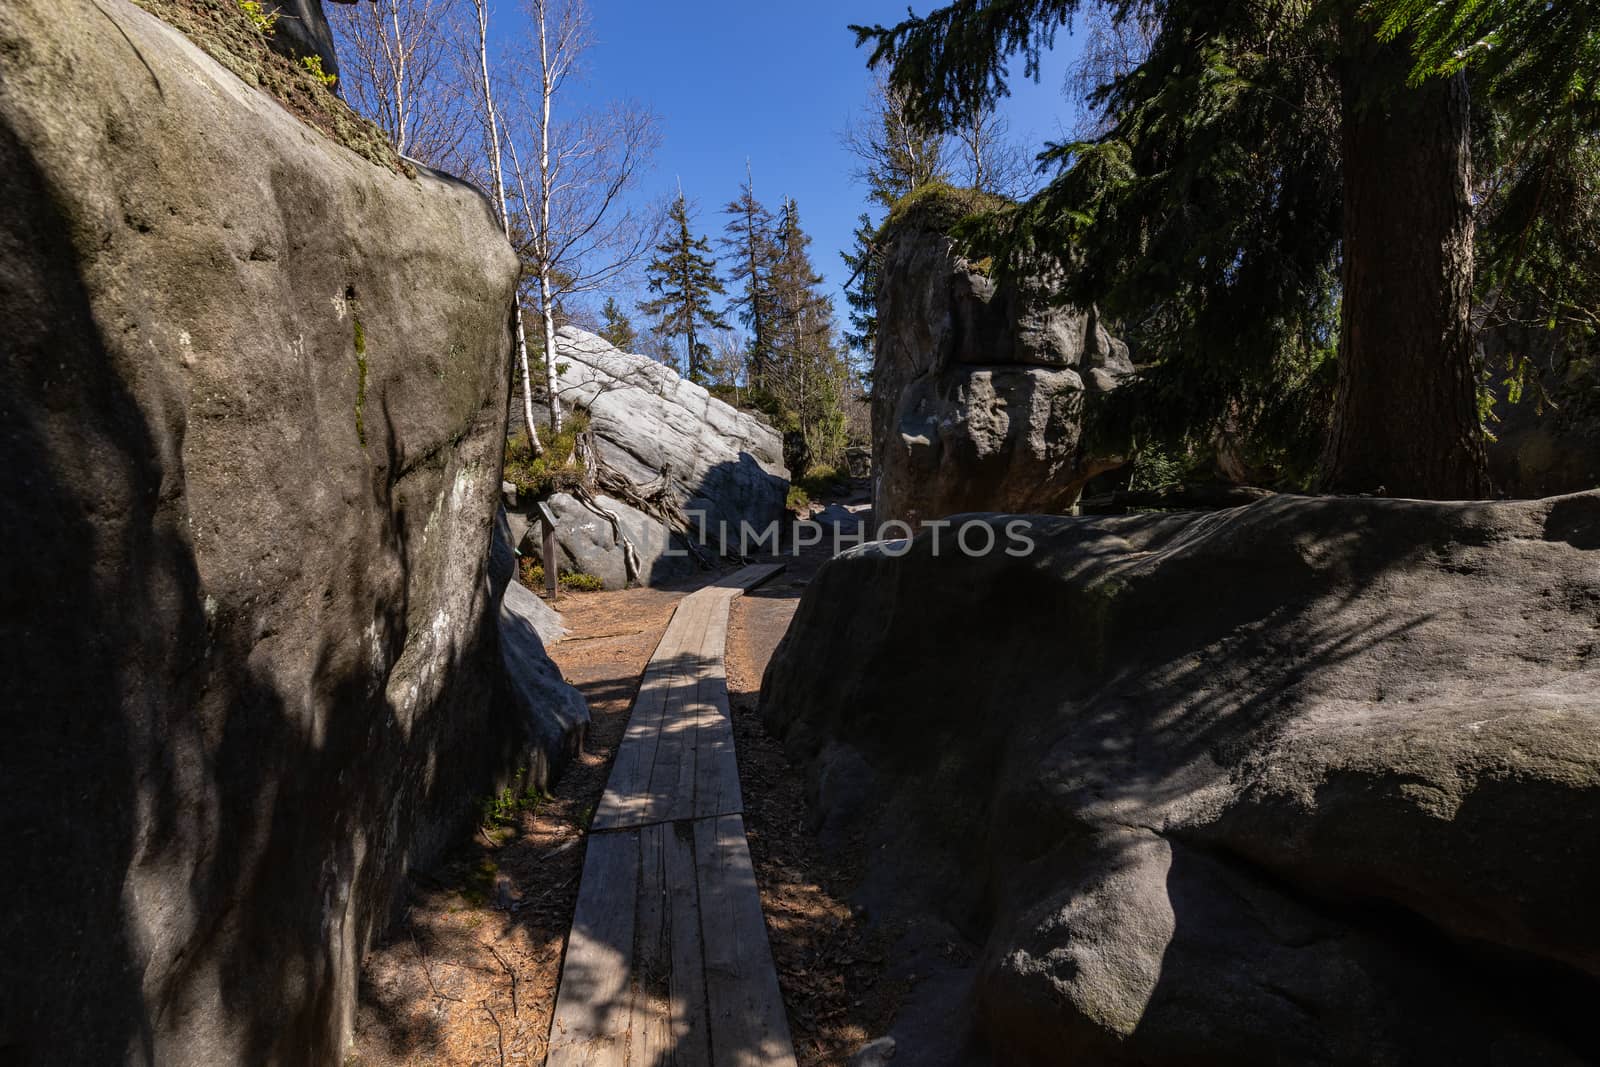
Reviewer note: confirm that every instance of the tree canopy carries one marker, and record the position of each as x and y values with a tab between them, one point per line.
1221	211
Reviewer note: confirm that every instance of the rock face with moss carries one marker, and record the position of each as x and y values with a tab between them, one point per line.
1310	781
252	389
979	389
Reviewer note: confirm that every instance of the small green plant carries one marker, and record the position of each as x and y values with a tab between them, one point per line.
533	577
480	883
821	479
798	499
502	808
314	65
558	470
583	583
262	19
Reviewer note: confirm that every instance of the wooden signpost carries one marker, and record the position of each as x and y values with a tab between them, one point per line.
552	574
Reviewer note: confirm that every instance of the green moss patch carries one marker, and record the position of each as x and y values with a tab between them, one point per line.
557	471
361	382
939	207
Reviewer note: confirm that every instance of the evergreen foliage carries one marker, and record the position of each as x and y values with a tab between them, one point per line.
863	261
751	247
809	377
1535	69
1207	215
684	278
618	328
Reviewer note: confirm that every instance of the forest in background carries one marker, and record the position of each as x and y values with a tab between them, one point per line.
1244	196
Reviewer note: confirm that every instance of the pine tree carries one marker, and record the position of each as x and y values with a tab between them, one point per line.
618	328
861	292
684	277
751	248
808	377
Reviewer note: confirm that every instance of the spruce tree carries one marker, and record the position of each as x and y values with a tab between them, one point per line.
809	377
684	278
1271	187
751	248
861	291
618	328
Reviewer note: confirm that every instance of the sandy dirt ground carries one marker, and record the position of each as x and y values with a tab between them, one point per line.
469	975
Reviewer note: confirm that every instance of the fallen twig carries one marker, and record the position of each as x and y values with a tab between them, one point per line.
515	1011
499	1034
422	958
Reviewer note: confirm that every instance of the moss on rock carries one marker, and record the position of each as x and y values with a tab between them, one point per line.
237	39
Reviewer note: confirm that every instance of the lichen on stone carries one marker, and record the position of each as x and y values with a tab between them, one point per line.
226	32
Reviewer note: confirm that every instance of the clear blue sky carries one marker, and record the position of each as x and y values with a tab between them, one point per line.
774	82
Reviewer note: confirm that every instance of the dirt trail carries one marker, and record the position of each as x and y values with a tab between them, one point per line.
830	963
440	988
469	976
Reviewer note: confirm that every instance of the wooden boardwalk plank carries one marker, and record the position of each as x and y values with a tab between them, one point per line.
592	1017
668	961
652	965
748	1024
676	736
690	1019
626	801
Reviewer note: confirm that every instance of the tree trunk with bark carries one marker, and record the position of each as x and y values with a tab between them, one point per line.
1405	420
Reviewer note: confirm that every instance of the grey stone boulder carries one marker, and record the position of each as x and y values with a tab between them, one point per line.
554	714
1309	781
531	609
980	390
588	545
720	463
252	391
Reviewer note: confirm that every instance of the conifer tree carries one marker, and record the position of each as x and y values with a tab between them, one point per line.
618	328
752	249
1270	187
808	376
861	292
684	278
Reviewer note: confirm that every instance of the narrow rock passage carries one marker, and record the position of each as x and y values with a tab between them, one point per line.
668	960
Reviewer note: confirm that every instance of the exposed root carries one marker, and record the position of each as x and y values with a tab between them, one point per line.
656	500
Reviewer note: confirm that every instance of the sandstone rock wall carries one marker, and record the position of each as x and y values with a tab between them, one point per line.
251	397
720	465
1311	781
979	390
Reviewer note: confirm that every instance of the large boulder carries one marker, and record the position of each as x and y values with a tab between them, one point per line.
588	543
980	389
252	391
721	466
554	714
1310	781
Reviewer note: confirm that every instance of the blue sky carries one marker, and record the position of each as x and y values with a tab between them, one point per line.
774	82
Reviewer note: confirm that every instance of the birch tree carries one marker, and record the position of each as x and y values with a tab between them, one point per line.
395	69
489	116
584	235
898	153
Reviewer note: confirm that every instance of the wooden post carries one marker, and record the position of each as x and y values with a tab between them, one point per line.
552	573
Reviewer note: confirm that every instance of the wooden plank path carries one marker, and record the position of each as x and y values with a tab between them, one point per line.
668	961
